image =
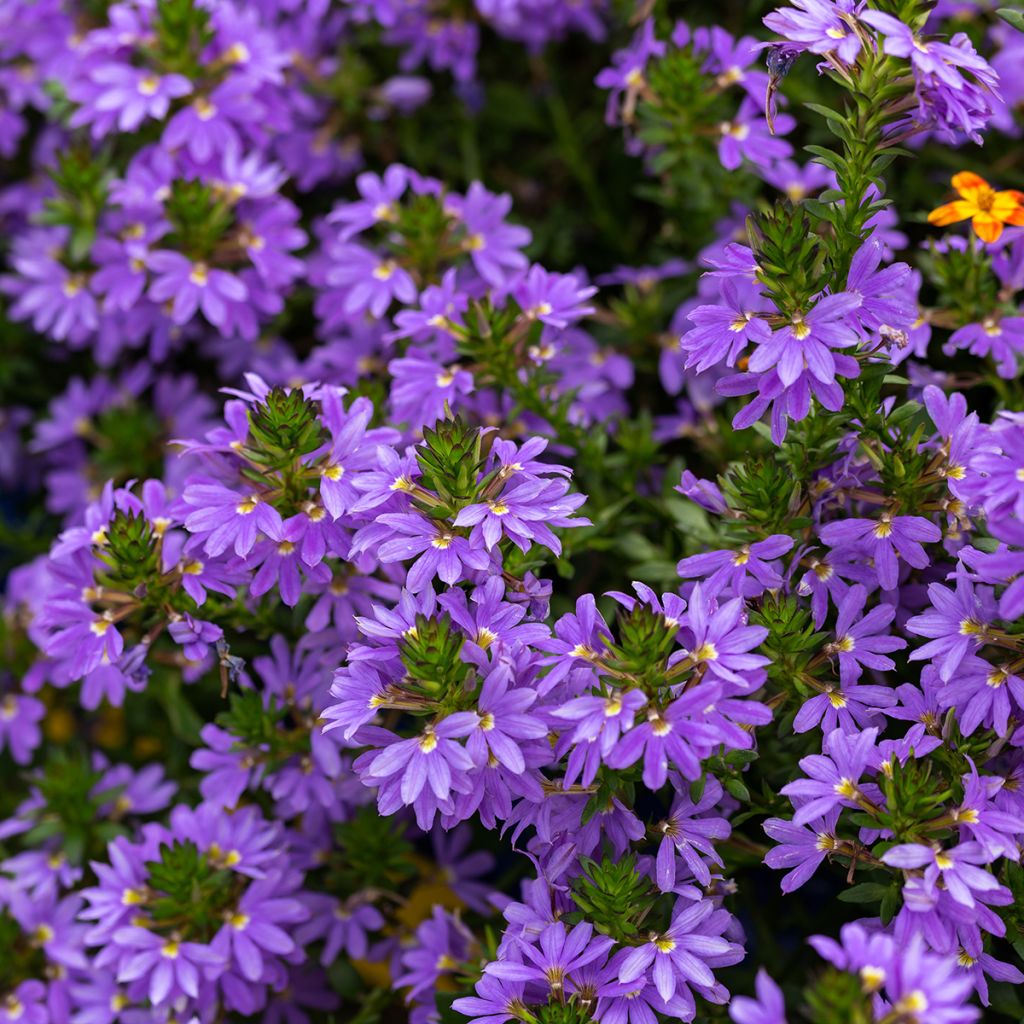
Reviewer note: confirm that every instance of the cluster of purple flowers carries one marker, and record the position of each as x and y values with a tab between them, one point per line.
286	688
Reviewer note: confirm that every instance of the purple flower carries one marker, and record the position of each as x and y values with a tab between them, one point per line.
860	642
554	299
883	539
674	735
224	518
723	331
885	305
747	136
807	342
768	1008
19	726
801	848
559	953
957	622
367	281
747	572
688	832
121	97
957	868
679	955
524	513
378	204
441	553
168	967
493	245
497	1000
423	771
819	26
189	286
1003	340
834	775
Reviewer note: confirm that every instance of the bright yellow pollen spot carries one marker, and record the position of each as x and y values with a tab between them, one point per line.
247	505
665	944
613	706
997	678
800	330
42	934
969	815
377	701
845	644
955	472
238	921
836	699
170	949
232	857
943	862
192	568
236	53
286	547
823	571
446	963
992	329
199	274
846	788
883	529
445	378
14	1008
73	285
825	842
741	557
401	483
204	108
385	271
384	211
442	542
474	243
487	721
739	323
737	131
660	727
499	508
100	626
706	652
428	742
970	627
914	1002
872	978
485	637
581	651
133	897
148	85
1020	474
118	1002
964	959
835	33
635	79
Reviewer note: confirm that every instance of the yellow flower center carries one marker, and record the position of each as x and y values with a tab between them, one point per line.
148	85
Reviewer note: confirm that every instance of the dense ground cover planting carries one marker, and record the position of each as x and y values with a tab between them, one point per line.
512	510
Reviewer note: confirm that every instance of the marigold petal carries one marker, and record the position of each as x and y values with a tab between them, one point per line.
952	212
987	227
1006	204
968	181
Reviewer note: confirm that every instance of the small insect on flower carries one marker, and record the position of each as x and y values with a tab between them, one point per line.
987	209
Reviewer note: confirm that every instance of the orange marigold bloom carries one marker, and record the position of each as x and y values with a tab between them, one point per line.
987	209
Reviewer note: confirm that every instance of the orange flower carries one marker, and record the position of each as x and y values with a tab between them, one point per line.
988	209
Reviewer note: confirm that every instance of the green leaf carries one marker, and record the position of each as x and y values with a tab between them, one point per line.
1012	17
864	892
